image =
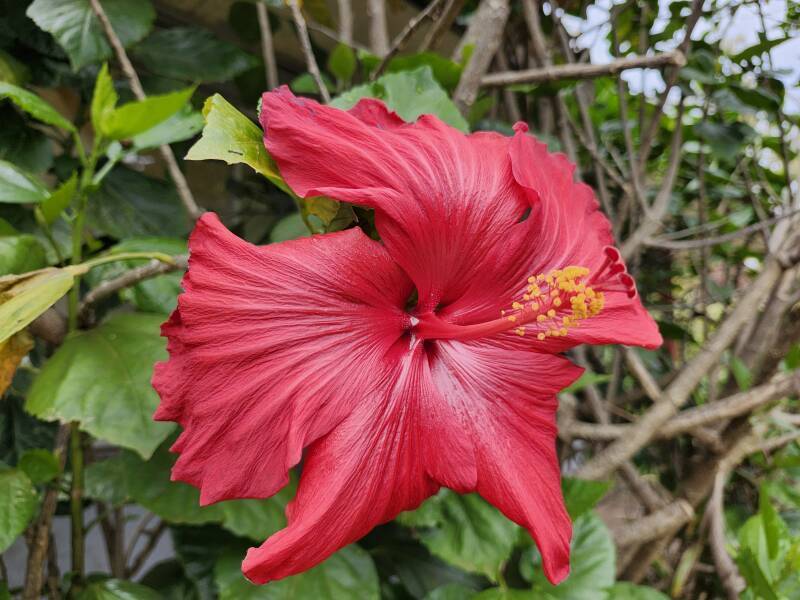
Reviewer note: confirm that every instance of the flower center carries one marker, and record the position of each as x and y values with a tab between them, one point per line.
551	304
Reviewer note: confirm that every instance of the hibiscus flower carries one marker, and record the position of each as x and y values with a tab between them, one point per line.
430	358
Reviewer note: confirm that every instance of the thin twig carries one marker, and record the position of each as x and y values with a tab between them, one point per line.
649	134
108	288
181	185
679	391
441	25
41	531
267	47
654	216
402	38
728	574
378	27
661	242
345	21
653	526
580	71
485	34
308	53
690	419
152	540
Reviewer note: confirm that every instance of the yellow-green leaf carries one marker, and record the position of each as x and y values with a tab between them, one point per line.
25	297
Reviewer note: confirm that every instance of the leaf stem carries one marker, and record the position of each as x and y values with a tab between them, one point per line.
159	256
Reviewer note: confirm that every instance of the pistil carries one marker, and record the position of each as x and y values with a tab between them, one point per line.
551	304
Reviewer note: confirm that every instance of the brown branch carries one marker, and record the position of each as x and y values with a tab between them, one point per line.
308	53
345	21
649	135
654	525
729	576
679	391
485	33
181	185
41	531
654	217
581	71
669	244
441	25
378	29
153	268
688	420
267	47
402	38
153	536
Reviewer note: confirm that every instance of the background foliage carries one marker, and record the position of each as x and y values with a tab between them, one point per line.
695	162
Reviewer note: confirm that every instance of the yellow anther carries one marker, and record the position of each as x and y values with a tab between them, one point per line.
534	306
526	296
556	302
531	279
516	306
512	318
541	318
520	331
563	331
541	337
551	313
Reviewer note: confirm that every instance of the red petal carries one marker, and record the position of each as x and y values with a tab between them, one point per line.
362	474
270	347
472	416
510	404
443	198
573	231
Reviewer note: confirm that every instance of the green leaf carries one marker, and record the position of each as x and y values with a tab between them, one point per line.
18	502
118	406
132	204
117	589
230	136
19	187
289	227
137	117
39	465
59	200
34	106
21	254
350	573
592	564
792	358
774	528
20	143
742	374
104	98
581	495
465	531
342	62
127	476
24	297
761	47
445	71
631	591
181	126
754	575
12	70
409	94
77	30
452	591
155	294
192	54
753	540
506	594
